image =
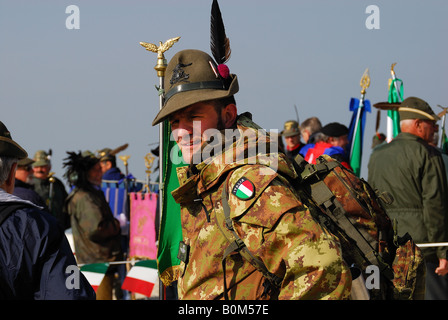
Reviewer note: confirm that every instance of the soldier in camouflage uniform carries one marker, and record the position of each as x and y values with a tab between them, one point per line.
96	233
265	212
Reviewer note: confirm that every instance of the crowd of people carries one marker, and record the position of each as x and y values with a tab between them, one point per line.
228	211
37	210
411	168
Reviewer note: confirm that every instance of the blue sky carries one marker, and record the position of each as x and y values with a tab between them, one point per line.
94	87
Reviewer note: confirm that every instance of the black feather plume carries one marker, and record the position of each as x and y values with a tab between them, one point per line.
219	43
77	167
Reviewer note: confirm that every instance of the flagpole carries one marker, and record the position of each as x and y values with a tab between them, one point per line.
160	67
443	130
394	78
390	121
364	83
442	127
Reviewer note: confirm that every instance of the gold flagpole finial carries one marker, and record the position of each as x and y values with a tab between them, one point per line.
149	159
125	160
365	81
50	177
160	49
392	72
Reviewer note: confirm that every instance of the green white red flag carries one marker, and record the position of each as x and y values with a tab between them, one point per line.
95	273
393	117
142	277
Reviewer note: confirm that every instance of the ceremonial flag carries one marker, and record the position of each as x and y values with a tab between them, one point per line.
393	117
95	273
142	277
170	233
142	235
115	195
356	132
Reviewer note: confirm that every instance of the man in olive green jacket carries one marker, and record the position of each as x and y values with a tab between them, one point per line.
413	172
96	233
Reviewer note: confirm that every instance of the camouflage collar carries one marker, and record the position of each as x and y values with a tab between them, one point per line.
207	174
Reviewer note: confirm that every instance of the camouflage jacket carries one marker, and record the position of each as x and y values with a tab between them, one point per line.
274	224
96	233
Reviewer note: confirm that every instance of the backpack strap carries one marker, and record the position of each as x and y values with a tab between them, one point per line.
6	208
272	281
321	194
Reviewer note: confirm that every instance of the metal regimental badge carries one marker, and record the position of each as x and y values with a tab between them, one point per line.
243	189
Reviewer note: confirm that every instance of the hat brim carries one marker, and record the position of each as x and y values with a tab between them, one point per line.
182	100
409	113
10	148
387	105
25	162
40	163
406	113
290	134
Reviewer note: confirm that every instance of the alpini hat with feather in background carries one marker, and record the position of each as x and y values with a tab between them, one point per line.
77	165
194	76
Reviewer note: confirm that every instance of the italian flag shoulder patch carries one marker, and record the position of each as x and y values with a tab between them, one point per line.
243	189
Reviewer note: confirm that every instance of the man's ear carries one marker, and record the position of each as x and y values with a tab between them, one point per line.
418	126
228	115
8	185
12	174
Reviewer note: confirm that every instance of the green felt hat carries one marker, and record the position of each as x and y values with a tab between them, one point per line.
291	128
416	108
192	76
41	158
9	147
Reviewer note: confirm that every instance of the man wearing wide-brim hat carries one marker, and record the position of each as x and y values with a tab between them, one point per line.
35	255
413	172
49	187
291	133
22	187
221	178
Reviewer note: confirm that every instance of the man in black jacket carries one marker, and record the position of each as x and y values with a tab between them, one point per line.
36	261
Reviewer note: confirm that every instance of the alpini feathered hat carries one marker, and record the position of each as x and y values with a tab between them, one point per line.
194	76
77	165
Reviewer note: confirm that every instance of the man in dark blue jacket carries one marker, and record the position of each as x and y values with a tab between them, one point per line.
22	188
108	161
36	261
